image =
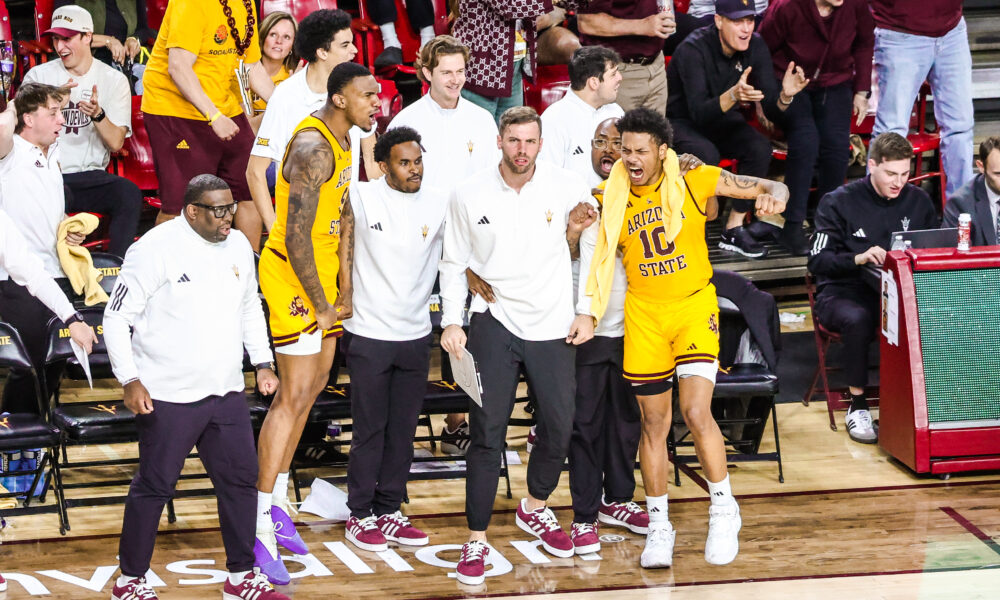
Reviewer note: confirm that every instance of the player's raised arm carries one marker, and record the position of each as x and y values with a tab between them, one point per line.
771	196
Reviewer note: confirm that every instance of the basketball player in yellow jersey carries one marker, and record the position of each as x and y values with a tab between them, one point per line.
671	311
305	274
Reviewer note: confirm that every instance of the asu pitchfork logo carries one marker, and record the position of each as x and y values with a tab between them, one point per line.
111	410
5	422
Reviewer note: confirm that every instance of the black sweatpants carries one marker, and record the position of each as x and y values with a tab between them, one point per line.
734	138
606	430
853	312
388	384
30	317
550	365
102	192
220	428
818	128
421	12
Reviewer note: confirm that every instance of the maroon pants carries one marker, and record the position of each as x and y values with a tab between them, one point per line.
184	148
220	428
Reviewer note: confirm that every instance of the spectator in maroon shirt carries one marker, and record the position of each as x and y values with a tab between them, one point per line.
833	41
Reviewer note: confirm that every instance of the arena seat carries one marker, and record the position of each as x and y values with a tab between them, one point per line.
155	9
392	103
372	40
5	32
551	84
26	430
925	140
135	160
836	398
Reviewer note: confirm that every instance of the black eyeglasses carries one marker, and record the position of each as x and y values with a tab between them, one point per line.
603	144
218	211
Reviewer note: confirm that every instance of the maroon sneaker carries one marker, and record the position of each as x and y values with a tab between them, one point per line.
624	514
135	589
3	584
584	536
254	586
543	525
532	438
397	528
471	569
365	534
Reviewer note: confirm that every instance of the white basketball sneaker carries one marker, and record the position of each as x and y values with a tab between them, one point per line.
723	543
659	550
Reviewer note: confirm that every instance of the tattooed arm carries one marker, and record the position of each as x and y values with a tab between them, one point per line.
771	196
308	166
345	252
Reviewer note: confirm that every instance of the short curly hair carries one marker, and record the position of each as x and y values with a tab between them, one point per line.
317	30
644	120
342	75
392	138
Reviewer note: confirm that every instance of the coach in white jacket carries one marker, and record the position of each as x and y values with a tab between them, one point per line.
188	291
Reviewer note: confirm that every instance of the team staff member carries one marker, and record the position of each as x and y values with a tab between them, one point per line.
183	309
656	217
34	200
980	197
713	71
399	231
568	122
459	139
500	220
324	40
305	274
194	119
854	226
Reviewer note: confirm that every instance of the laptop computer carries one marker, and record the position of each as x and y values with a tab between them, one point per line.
930	238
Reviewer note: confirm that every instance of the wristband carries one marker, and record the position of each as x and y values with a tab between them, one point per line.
782	101
99	116
215	117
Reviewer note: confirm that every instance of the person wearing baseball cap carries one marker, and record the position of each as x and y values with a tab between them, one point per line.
97	119
713	72
117	27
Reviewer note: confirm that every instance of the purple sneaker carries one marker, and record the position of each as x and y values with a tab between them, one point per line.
269	564
285	533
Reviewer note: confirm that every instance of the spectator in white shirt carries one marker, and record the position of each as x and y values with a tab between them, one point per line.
34	200
182	311
399	226
324	39
516	226
98	118
459	139
569	123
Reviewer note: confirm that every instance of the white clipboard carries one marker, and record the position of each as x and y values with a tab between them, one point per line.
466	375
83	359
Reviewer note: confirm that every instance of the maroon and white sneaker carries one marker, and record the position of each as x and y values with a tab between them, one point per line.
365	534
3	584
471	569
254	586
624	514
397	528
585	539
532	438
135	589
543	525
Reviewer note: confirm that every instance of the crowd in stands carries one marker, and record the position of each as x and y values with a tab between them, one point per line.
264	124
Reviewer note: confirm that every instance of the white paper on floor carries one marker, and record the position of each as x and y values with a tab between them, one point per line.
789	318
458	465
326	500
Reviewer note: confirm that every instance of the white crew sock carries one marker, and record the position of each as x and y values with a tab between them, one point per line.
279	494
426	35
236	578
264	522
123	580
389	35
656	507
720	493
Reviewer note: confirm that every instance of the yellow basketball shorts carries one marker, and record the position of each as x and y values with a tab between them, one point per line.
662	337
290	313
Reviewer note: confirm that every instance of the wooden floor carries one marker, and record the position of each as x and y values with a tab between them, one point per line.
847	522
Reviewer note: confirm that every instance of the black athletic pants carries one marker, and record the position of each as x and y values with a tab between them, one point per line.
117	197
606	430
388	383
732	138
550	366
853	312
219	426
818	128
30	317
421	12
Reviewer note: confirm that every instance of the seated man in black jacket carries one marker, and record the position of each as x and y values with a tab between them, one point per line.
854	224
715	71
980	197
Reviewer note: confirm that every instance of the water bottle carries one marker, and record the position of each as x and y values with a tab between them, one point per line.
908	245
964	232
12	462
897	243
29	462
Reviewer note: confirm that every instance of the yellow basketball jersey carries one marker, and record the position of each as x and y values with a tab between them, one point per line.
326	228
661	272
